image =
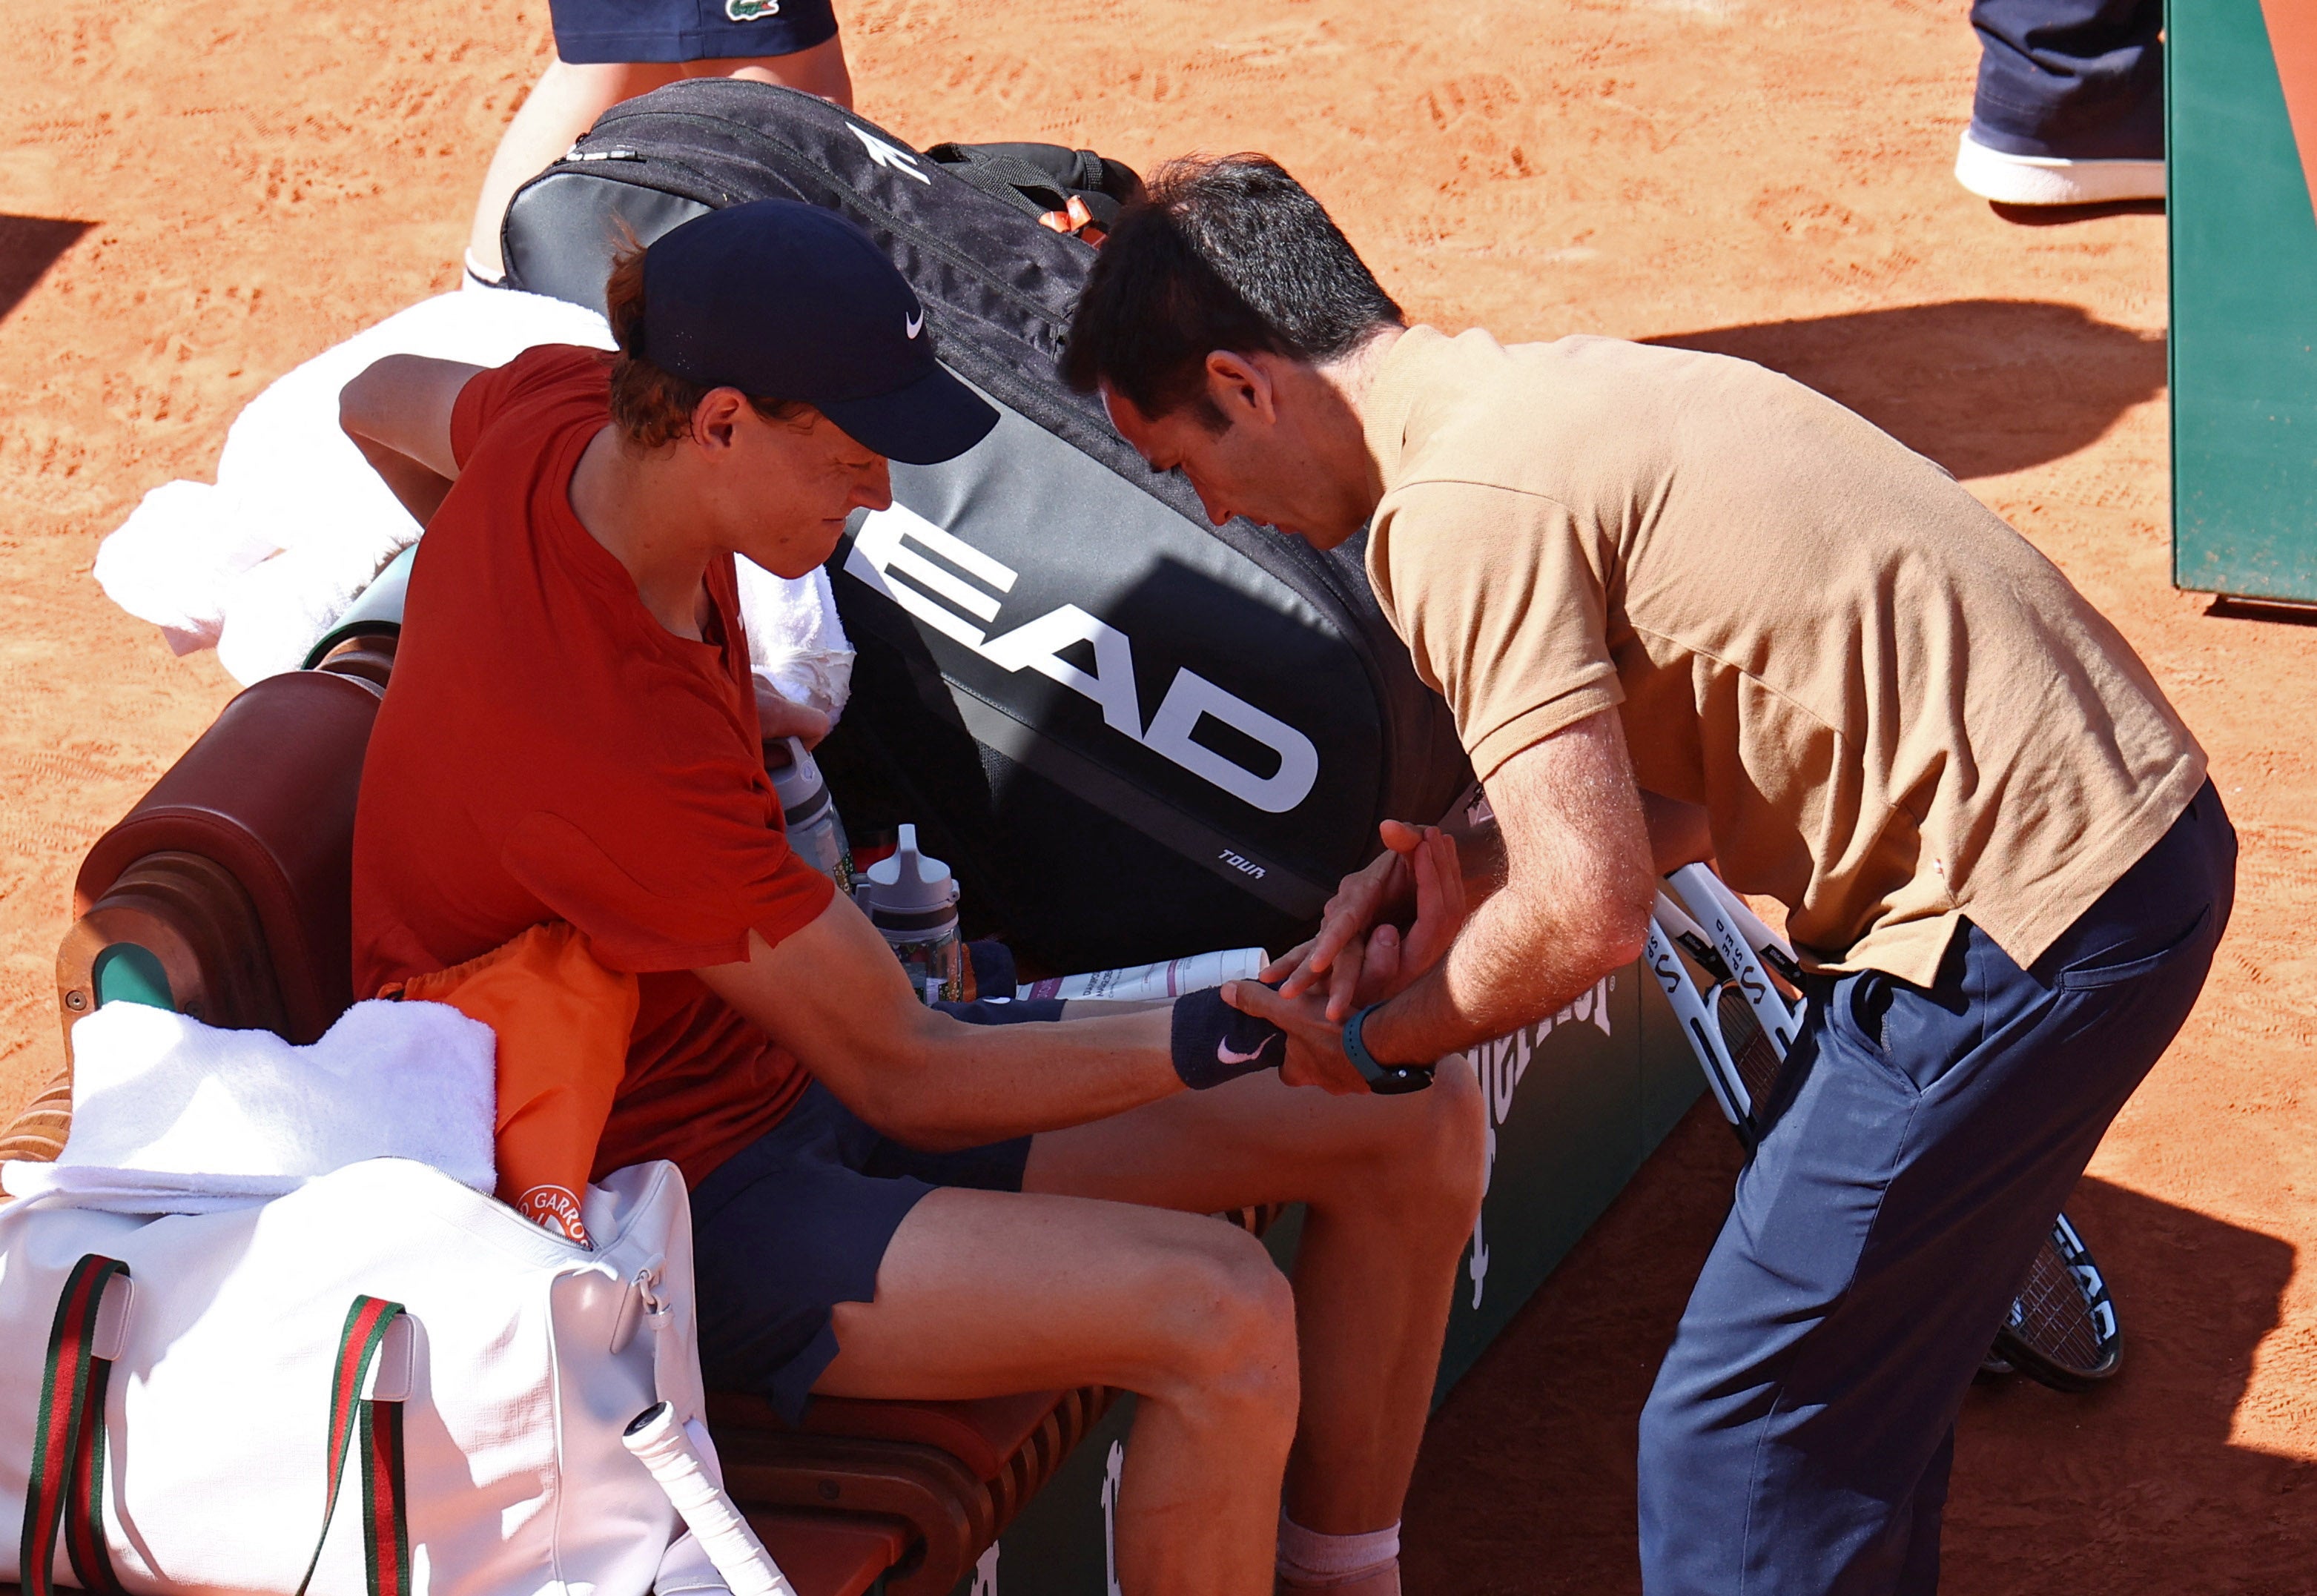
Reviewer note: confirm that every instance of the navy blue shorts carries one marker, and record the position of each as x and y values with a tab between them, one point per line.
588	32
798	1221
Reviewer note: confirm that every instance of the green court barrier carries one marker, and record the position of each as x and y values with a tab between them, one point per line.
1575	1105
2242	97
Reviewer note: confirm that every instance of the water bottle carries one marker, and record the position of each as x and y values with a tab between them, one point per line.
913	901
816	832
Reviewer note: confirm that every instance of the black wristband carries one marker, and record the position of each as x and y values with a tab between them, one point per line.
1214	1042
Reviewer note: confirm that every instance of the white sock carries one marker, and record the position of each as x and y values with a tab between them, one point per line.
474	278
1312	1561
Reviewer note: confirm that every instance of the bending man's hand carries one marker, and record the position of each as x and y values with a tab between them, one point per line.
1363	961
1367	968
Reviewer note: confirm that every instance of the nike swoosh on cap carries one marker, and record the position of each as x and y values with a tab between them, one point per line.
914	325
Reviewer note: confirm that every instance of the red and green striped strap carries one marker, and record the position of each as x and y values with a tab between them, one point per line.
378	1425
65	1490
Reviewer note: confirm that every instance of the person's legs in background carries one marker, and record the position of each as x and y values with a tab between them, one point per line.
2069	107
565	103
1800	1432
612	50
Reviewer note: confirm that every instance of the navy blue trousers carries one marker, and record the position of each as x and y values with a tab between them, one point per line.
2081	79
1798	1438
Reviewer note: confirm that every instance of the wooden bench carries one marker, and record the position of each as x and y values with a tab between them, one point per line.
224	894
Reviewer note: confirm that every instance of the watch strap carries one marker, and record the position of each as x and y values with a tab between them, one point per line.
1384	1079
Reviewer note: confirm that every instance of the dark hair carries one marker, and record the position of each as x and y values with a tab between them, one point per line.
654	407
1218	254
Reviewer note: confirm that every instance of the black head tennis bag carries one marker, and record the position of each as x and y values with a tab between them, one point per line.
1133	734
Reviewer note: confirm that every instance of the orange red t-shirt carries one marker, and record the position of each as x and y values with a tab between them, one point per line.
549	751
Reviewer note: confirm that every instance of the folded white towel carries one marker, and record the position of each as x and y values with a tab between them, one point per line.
171	1116
795	640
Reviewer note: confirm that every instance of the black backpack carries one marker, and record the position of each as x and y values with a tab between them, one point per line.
1133	734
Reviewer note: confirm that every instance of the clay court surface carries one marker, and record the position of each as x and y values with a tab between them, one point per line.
197	198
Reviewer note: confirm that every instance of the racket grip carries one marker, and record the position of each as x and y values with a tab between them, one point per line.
660	1445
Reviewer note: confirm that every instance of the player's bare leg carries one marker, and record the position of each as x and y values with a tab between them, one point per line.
564	104
819	70
982	1293
570	97
1393	1184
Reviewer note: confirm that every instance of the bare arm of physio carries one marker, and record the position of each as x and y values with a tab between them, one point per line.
1578	882
398	412
834	995
1383	892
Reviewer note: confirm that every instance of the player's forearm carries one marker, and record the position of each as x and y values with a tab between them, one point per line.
419	488
397	411
952	1085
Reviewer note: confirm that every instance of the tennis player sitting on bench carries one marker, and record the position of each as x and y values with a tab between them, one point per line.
887	1203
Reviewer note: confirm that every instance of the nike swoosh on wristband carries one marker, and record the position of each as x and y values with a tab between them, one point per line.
1224	1053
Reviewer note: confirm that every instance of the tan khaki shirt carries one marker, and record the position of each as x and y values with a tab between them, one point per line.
1896	712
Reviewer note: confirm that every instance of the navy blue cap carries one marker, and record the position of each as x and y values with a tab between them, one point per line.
785	300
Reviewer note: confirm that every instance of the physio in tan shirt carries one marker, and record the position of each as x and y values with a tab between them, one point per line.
1684	607
1895	712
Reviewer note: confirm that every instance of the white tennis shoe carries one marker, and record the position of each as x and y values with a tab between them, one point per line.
2054	180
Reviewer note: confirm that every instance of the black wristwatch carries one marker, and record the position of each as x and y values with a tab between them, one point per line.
1386	1080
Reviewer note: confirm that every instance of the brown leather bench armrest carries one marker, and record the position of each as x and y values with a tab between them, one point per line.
193	918
266	799
945	1508
831	1554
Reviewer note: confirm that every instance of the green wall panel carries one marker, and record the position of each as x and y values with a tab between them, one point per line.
2244	313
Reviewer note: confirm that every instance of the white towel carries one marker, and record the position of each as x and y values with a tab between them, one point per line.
263	563
796	643
171	1116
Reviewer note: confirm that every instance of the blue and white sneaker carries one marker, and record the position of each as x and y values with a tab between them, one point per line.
2054	180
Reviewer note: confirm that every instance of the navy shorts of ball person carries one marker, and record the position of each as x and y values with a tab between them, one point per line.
594	32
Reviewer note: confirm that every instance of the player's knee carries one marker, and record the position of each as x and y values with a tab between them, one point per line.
1443	1160
1227	1317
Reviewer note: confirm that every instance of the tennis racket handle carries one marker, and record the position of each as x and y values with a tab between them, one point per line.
660	1445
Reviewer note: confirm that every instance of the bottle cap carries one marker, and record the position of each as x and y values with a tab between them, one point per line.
905	882
799	781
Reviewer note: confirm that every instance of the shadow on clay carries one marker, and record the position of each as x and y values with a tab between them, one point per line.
2060	215
28	246
1984	387
1525	1486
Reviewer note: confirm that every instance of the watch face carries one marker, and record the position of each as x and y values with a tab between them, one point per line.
1399	1078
